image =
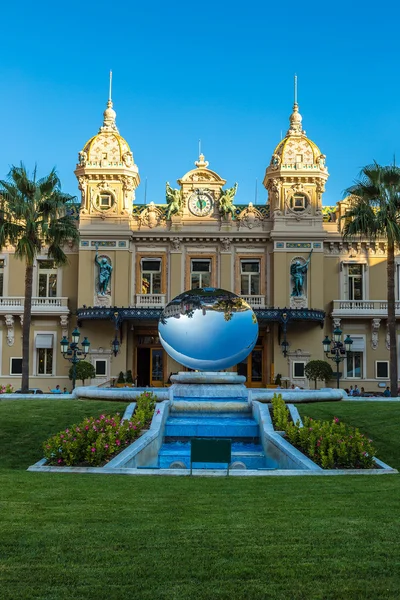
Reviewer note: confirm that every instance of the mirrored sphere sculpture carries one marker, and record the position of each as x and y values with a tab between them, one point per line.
208	329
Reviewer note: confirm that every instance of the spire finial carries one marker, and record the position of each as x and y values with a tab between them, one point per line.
109	114
110	88
295	118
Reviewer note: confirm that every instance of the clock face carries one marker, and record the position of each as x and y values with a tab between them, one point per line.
200	203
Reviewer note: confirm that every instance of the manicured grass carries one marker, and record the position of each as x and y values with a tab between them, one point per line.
26	424
67	536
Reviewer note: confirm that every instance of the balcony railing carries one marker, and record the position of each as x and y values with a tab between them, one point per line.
150	300
255	301
40	305
360	308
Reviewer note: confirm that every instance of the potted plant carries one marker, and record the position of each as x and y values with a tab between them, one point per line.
121	380
129	378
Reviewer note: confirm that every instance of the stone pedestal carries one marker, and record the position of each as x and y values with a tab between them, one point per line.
210	385
298	302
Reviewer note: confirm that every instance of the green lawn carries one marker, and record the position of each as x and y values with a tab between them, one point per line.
67	536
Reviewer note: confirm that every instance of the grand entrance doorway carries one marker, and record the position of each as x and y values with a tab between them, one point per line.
149	361
252	367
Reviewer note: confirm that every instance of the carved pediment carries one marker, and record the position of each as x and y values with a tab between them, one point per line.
198	176
250	217
151	216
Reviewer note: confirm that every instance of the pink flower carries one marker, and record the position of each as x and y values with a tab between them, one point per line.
59	460
61	436
106	446
93	449
87	427
336	420
67	431
118	442
158	411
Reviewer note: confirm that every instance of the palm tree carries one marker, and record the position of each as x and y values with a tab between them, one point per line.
374	212
33	214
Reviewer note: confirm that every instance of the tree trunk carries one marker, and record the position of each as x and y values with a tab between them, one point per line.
391	322
26	328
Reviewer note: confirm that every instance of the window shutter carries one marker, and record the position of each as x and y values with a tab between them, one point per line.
44	340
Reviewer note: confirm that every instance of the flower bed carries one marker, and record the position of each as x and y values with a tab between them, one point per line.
332	445
93	442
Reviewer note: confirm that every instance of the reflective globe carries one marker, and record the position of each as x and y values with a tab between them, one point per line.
208	329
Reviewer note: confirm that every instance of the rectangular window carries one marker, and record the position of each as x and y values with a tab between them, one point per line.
200	273
354	365
101	368
250	277
15	366
151	276
298	369
47	287
1	276
45	361
355	281
382	369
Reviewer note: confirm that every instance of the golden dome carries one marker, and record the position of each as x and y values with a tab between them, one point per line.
108	147
296	148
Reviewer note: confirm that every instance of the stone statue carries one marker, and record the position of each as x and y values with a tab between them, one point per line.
298	271
127	158
226	201
83	158
275	161
174	200
105	270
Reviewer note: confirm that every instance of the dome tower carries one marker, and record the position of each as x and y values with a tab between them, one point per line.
296	175
106	172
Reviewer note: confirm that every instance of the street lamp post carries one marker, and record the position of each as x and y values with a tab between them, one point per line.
336	350
72	352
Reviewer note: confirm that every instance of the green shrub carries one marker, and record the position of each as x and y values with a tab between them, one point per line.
318	370
332	445
84	370
94	442
121	377
129	377
280	413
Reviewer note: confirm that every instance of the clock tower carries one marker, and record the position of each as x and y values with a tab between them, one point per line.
201	190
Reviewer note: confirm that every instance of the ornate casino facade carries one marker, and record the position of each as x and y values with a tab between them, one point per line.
287	259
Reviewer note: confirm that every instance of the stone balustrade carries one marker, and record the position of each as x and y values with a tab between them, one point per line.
40	305
361	308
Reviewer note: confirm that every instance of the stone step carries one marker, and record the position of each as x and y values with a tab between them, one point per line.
224	427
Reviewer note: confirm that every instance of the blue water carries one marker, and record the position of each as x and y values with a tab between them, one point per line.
241	428
207	399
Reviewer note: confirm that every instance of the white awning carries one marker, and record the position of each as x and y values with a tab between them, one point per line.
44	340
358	344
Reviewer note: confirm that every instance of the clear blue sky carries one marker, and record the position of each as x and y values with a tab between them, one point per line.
220	71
